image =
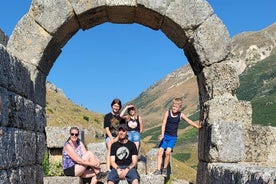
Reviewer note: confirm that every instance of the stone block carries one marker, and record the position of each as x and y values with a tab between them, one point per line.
151	13
65	24
217	80
260	144
7	151
222	142
56	136
99	149
25	147
184	15
62	180
212	41
227	108
90	12
29	43
121	13
229	173
144	179
152	160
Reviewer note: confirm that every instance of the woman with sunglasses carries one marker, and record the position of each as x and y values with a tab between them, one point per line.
134	123
77	161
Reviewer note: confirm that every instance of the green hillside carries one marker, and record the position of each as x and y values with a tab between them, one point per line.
258	85
62	112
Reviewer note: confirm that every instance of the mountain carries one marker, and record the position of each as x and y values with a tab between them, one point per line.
248	50
258	85
154	101
252	47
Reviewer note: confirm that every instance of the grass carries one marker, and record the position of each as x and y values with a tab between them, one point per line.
258	85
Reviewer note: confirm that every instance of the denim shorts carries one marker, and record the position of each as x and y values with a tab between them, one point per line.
134	136
168	142
131	175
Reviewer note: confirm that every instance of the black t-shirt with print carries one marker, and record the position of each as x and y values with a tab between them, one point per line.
123	152
112	121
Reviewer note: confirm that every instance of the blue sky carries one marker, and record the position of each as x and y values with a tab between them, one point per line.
119	60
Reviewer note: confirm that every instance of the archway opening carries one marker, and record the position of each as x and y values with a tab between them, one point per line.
113	60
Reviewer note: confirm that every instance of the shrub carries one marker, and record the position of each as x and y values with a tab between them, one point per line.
86	118
55	169
51	169
45	163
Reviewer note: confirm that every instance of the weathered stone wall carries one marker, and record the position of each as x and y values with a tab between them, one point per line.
22	119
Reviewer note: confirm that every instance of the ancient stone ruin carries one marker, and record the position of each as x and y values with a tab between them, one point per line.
231	150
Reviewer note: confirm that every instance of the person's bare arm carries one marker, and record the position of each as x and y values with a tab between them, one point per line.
73	155
164	125
185	118
141	124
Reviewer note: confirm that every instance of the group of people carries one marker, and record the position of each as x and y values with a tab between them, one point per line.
123	134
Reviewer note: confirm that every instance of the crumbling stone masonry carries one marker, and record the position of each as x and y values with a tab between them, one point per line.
38	38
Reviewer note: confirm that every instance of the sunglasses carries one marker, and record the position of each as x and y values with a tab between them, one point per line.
72	134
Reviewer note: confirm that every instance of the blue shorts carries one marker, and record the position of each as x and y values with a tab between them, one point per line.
131	175
168	142
134	136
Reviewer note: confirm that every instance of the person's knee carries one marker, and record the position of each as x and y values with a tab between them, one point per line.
168	153
89	153
135	181
160	152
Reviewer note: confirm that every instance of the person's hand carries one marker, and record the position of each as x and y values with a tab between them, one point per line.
130	105
161	137
120	173
124	172
97	163
200	125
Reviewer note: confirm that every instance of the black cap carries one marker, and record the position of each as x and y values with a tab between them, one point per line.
122	126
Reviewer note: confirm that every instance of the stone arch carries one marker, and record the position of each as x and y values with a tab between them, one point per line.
40	35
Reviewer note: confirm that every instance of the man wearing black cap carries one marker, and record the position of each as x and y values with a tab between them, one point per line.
123	159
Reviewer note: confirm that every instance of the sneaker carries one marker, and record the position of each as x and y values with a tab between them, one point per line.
157	172
164	172
101	175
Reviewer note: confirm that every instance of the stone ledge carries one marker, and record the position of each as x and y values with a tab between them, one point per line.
243	172
145	179
62	180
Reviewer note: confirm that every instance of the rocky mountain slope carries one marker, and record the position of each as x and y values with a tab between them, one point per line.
61	111
252	47
248	48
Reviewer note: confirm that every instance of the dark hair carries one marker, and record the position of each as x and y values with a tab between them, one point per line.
116	101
